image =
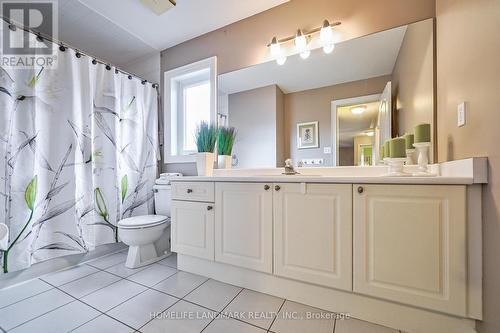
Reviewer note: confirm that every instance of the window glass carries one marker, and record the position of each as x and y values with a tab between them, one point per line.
196	109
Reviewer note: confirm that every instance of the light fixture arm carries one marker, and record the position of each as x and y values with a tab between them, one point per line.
307	34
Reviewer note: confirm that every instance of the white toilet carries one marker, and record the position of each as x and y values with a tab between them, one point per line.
141	233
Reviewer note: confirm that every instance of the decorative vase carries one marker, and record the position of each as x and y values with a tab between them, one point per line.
410	157
205	164
423	159
224	162
396	167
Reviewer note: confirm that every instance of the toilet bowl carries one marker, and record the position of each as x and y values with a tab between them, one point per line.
141	233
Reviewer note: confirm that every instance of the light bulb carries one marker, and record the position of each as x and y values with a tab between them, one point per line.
328	48
281	60
300	41
305	54
358	109
326	33
275	48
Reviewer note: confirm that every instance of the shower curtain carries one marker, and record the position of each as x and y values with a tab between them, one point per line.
79	148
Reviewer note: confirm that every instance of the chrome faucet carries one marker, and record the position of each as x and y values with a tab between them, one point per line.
289	169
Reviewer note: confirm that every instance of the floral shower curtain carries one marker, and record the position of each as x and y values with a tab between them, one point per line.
79	152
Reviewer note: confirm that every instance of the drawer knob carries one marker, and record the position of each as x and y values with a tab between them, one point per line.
210	207
189	190
277	187
360	189
266	187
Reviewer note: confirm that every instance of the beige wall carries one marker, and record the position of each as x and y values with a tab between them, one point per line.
468	69
280	127
413	77
315	105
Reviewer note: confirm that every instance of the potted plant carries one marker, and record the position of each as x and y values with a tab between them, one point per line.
206	136
225	147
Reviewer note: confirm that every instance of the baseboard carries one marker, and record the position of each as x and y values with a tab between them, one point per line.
57	264
397	316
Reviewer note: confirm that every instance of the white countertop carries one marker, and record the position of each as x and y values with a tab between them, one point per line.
463	172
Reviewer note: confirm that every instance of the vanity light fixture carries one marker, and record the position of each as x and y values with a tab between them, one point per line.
326	36
301	39
276	52
301	45
358	109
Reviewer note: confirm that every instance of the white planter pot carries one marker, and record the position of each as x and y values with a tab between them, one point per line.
205	164
224	161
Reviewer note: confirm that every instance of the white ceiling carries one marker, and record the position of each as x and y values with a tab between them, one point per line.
356	59
121	31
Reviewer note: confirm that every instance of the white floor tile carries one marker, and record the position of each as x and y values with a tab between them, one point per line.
180	284
89	284
182	317
68	275
63	319
152	275
227	325
20	312
109	260
171	261
359	326
213	294
296	318
255	308
121	270
22	291
108	297
103	324
140	309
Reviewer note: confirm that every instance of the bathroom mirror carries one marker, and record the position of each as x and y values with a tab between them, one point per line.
332	109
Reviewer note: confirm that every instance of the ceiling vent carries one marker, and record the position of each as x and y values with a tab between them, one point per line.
159	6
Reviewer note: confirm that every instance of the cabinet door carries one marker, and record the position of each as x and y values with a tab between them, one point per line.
192	228
244	225
313	233
410	244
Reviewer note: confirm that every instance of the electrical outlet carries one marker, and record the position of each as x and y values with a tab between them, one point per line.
461	114
312	161
327	150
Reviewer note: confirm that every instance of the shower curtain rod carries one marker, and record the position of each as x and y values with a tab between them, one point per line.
63	46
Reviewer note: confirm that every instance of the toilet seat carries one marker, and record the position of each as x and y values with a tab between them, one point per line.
142	221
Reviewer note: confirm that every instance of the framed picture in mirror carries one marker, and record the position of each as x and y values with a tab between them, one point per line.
307	135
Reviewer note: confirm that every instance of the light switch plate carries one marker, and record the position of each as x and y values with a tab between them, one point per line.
327	150
461	114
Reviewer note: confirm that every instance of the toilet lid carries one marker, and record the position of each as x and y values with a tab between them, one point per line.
142	221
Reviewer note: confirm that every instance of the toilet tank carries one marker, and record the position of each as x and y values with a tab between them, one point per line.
163	194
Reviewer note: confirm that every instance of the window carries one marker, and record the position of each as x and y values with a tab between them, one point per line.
189	100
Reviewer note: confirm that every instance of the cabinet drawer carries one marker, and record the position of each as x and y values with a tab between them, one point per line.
193	191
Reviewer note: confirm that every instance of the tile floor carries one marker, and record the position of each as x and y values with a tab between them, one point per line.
104	296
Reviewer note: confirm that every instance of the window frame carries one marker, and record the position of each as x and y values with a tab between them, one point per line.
174	82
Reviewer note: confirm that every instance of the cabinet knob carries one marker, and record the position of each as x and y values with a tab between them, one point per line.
277	187
189	190
266	187
210	207
360	189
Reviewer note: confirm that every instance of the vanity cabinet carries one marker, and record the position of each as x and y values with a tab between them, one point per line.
410	245
244	225
313	233
192	228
